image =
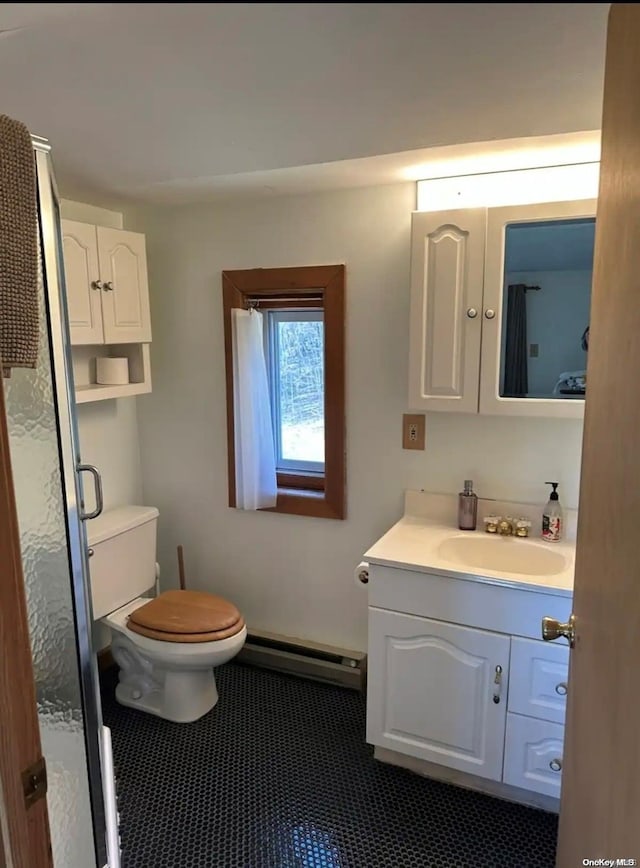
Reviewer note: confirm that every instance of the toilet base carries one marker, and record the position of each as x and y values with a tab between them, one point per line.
183	698
181	695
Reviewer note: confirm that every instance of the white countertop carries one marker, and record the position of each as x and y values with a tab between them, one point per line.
413	544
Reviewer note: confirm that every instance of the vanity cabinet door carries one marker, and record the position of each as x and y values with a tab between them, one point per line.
432	691
447	271
533	755
539	679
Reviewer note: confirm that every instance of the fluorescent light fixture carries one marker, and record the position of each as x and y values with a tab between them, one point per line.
517	187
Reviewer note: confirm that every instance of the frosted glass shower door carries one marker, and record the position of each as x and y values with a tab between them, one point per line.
41	431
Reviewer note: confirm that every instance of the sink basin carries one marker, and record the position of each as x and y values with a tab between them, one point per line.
502	554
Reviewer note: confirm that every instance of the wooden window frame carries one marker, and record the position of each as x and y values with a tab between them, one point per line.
303	286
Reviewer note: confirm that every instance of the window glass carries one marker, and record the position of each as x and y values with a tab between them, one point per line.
295	350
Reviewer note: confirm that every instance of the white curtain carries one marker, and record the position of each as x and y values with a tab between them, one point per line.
256	486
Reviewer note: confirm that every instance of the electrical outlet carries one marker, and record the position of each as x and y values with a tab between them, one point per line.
534	350
413	431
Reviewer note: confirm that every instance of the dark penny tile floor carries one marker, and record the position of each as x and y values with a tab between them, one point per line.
278	775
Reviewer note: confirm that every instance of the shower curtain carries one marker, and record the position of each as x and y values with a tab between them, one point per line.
256	481
516	384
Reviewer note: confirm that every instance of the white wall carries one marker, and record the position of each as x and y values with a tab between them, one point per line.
108	430
292	574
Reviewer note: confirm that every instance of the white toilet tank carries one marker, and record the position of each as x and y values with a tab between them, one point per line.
123	564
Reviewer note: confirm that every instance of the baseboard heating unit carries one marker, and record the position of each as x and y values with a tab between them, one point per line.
338	666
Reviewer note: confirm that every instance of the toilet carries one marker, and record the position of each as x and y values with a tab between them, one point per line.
166	646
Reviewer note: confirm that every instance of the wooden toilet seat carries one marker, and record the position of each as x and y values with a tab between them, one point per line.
186	616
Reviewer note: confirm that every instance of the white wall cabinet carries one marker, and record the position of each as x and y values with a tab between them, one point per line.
457	679
457	321
107	284
108	303
435	693
446	309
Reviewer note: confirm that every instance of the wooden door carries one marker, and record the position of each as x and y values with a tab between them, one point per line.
82	278
431	691
26	834
600	808
447	265
125	296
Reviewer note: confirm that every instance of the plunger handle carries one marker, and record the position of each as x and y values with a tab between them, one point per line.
183	584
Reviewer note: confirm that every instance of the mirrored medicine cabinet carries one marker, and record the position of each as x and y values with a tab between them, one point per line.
500	305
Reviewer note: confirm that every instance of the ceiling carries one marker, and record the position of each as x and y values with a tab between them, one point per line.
176	101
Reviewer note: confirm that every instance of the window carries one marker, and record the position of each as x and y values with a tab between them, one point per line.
303	311
294	350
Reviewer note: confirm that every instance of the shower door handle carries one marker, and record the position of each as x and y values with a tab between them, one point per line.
97	484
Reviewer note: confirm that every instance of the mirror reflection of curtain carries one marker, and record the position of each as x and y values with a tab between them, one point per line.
516	380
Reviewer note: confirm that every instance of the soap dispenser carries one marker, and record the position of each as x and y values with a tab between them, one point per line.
552	516
467	507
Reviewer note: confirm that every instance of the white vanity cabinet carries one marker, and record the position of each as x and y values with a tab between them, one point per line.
459	680
462	338
107	285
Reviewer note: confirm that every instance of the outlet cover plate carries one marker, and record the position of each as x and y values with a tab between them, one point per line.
413	429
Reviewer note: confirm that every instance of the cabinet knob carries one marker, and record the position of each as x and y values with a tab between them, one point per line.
472	313
489	313
561	689
108	286
96	284
555	765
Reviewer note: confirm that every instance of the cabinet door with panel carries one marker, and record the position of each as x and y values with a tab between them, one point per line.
438	691
533	754
447	269
125	300
82	279
539	679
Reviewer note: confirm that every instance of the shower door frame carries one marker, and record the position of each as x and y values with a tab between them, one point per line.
68	443
25	838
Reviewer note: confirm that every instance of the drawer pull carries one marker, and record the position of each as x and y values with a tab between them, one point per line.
561	689
555	765
498	682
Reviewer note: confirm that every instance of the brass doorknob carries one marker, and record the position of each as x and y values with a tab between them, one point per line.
553	629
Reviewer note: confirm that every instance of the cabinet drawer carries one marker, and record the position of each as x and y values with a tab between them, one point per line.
533	754
539	674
